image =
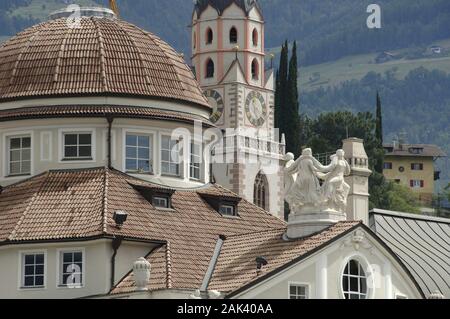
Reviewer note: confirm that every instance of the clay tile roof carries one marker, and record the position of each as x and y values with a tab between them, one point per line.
79	204
424	150
236	265
102	57
57	111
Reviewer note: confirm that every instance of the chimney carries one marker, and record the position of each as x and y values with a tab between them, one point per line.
141	272
358	199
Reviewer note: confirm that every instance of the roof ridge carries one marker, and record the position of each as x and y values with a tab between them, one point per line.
60	54
102	53
27	209
168	266
255	232
24	49
105	200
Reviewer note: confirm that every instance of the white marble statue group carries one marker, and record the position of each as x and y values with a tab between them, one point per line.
303	190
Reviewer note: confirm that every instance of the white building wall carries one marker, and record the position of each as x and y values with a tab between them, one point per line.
322	273
97	268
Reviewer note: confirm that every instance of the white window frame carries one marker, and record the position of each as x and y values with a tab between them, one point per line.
417	183
59	261
8	138
233	207
299	284
161	198
180	157
151	137
5	158
61	134
368	272
21	272
195	166
143	131
417	166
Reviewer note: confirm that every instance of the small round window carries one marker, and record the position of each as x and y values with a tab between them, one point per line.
354	281
401	169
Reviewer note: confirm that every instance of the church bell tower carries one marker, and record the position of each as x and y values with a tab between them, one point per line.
228	57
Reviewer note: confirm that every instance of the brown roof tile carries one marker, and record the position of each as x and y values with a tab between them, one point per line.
56	111
103	57
236	265
62	205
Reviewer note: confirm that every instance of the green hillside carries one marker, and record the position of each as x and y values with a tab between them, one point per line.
356	67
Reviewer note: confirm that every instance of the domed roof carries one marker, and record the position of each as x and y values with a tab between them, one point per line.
103	56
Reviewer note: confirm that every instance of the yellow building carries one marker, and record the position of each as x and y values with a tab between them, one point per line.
413	165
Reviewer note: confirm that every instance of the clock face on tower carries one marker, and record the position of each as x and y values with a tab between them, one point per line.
256	108
216	102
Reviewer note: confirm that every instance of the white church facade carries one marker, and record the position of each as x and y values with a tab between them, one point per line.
113	183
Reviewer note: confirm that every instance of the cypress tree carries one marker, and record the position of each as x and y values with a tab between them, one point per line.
379	158
379	116
282	89
292	106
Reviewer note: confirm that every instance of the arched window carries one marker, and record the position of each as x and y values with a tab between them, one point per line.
209	36
210	69
255	69
255	37
233	35
261	192
354	281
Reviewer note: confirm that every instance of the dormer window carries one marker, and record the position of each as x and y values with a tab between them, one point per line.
159	201
159	198
227	209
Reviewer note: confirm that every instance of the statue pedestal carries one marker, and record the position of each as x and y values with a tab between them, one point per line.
305	224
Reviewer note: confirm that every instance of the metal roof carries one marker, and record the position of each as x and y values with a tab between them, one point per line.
421	242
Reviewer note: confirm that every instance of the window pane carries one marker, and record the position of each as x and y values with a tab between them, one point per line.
144	153
26	142
40	270
15	143
40	259
353	267
144	141
14	168
70	139
144	166
26	155
85	139
78	257
29	281
67	258
353	284
85	151
165	167
26	167
363	285
15	156
131	152
70	151
165	156
29	270
131	165
165	143
131	140
29	259
39	281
